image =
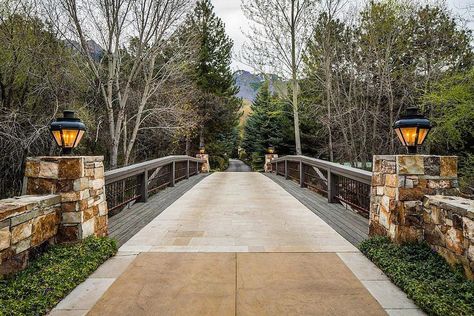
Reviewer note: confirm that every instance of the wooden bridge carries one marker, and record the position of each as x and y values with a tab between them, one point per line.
238	243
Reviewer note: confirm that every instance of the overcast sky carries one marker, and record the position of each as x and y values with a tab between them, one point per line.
229	11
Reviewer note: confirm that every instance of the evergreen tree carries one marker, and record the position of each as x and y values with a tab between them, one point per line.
265	126
218	105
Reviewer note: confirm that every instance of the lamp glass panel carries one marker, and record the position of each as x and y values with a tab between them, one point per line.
409	134
69	137
422	135
57	138
399	134
79	137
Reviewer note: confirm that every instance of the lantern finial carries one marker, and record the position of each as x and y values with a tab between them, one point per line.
67	131
412	129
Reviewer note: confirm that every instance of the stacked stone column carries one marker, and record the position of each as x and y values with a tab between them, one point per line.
399	184
79	181
268	162
205	166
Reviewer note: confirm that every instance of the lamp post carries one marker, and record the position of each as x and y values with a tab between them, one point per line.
67	131
271	149
202	150
412	129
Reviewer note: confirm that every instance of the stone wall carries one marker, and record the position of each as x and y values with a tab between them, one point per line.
27	223
399	184
64	201
79	181
415	198
448	226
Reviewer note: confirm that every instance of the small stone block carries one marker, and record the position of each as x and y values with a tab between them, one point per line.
44	228
72	217
21	231
410	164
10	208
5	238
22	246
449	166
432	165
391	180
102	208
71	168
88	228
48	170
32	168
5	223
81	184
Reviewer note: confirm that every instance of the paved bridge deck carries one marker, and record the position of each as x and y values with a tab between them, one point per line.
237	244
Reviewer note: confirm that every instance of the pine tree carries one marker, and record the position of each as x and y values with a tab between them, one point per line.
218	105
264	126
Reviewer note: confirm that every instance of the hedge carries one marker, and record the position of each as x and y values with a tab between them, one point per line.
49	278
423	275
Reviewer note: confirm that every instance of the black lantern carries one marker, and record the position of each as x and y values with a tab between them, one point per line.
271	149
67	131
202	150
412	129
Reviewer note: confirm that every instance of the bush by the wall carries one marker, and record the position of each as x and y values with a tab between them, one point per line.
424	275
49	278
218	163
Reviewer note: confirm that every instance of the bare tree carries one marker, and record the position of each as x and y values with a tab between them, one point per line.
277	40
132	34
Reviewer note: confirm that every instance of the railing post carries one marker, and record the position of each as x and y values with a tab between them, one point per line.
187	169
143	181
173	176
197	167
286	169
276	168
301	174
331	187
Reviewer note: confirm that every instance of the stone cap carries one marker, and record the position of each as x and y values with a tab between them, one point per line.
56	158
456	204
393	157
18	205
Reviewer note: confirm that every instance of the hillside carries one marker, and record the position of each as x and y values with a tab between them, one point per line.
249	84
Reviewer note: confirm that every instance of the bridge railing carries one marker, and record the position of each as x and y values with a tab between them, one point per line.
139	181
347	185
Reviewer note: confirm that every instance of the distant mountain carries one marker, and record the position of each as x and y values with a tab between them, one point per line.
249	83
96	51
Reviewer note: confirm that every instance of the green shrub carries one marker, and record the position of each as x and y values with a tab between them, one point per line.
257	161
218	163
424	275
49	278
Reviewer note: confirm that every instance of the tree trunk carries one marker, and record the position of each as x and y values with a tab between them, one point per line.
201	137
188	146
296	120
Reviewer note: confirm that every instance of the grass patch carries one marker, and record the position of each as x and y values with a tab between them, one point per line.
49	278
424	275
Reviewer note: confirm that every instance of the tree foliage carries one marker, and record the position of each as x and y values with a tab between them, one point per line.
218	107
265	126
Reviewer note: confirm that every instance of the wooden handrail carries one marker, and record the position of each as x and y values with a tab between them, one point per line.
344	184
131	183
360	175
136	169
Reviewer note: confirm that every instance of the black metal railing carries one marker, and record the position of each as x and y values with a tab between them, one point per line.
137	182
347	185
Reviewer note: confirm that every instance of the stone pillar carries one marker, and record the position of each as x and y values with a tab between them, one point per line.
268	162
205	166
399	184
79	181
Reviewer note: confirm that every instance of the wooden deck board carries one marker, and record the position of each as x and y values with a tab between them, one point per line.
130	221
348	224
